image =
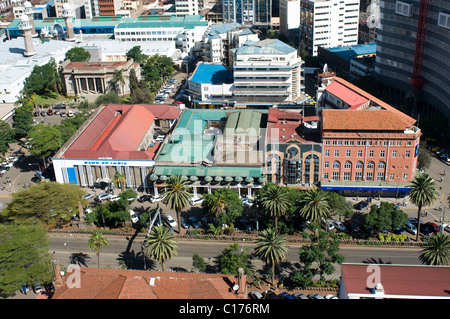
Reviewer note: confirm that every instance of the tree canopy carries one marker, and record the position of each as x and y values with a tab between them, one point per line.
224	204
78	54
24	256
44	204
46	140
385	217
43	79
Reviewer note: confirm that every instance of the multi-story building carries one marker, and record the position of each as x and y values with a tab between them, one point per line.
328	23
266	72
413	63
186	31
368	145
247	12
289	16
186	7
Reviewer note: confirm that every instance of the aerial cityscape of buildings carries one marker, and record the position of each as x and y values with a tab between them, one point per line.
270	93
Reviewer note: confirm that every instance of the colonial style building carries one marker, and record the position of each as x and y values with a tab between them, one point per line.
91	79
368	145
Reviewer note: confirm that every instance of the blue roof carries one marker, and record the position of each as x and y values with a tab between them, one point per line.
353	51
212	74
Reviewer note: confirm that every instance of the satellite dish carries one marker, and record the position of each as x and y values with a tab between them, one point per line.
373	20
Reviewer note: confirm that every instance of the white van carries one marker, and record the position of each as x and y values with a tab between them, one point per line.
327	224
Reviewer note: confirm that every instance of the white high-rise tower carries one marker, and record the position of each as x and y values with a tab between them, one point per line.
28	10
68	17
26	27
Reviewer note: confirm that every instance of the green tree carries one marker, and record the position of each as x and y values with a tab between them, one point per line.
160	245
43	80
323	252
24	256
23	122
177	195
423	193
6	136
46	140
108	98
384	217
435	250
423	157
136	54
224	204
120	180
118	78
233	258
198	262
314	205
95	243
339	205
44	204
274	200
78	54
271	248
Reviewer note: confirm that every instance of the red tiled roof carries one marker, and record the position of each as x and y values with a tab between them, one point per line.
346	94
140	284
364	120
117	131
93	65
411	280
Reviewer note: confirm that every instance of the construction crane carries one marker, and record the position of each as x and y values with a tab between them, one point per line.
417	79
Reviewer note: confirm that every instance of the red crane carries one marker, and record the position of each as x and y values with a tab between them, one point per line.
417	79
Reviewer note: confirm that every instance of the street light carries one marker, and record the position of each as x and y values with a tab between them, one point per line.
443	217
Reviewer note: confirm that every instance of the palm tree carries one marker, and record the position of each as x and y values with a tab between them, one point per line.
119	178
177	195
160	245
436	250
215	203
118	78
274	200
271	248
423	193
314	203
96	242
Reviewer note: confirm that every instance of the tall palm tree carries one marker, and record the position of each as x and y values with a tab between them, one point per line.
160	245
96	242
314	203
271	248
274	199
118	77
423	193
177	194
436	250
215	203
120	179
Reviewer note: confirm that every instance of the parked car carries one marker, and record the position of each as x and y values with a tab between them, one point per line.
70	114
49	112
285	295
156	199
315	296
330	296
184	223
353	226
62	114
103	196
361	205
435	228
299	295
88	196
37	287
194	222
246	202
170	221
194	201
114	198
144	198
410	227
255	294
426	230
133	216
327	224
339	225
269	294
59	106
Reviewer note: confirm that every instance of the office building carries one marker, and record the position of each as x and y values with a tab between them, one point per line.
247	12
412	57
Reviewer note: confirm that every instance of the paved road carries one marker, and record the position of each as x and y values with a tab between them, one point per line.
120	249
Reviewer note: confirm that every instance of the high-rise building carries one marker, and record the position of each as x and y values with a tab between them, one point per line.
186	7
328	23
247	12
412	56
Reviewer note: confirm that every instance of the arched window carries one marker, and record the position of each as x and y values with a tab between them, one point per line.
359	165
348	165
381	165
292	152
370	164
336	164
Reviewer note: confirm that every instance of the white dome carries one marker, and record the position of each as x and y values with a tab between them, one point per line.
27	4
66	6
24	18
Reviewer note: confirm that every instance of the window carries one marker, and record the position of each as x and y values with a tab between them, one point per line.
382	153
346	176
371	153
369	176
336	153
380	176
405	177
348	153
327	153
399	143
407	154
360	152
394	153
359	165
325	175
381	165
358	176
370	165
404	9
444	20
336	175
348	165
391	177
326	164
336	164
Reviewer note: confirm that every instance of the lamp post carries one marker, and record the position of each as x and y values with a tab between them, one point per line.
443	217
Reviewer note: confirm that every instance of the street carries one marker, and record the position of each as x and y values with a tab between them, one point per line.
121	250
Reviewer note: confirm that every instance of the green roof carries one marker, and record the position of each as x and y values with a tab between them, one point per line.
187	22
213	171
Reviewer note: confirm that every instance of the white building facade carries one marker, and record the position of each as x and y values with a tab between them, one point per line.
328	23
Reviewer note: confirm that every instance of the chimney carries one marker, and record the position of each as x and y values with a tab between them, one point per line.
242	283
58	277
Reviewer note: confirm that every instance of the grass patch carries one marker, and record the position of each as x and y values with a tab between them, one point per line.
46	100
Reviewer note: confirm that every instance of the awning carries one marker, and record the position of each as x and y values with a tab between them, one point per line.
103	180
201	171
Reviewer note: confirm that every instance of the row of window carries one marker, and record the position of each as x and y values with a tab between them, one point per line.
358	176
364	142
358	165
359	153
